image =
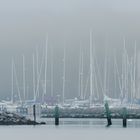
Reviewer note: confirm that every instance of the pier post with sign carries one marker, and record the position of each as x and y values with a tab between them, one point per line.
34	112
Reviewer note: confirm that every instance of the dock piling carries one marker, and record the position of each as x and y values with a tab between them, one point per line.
56	115
34	112
108	114
124	117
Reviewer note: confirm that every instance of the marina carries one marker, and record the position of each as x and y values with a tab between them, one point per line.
93	98
93	89
69	70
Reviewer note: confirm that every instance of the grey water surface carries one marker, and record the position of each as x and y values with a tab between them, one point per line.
73	129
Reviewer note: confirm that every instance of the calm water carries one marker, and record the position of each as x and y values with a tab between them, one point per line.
73	129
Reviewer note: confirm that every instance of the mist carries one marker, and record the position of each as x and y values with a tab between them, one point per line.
24	26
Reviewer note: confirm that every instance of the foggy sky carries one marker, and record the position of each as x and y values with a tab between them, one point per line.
25	24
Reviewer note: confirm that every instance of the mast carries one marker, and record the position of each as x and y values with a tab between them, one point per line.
64	76
131	80
17	83
91	70
45	82
79	82
52	72
123	72
39	75
115	82
37	71
96	85
118	76
134	76
24	92
81	75
86	87
95	75
12	78
105	73
98	75
34	92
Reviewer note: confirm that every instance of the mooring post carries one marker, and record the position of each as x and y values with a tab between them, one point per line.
56	115
124	115
108	114
34	112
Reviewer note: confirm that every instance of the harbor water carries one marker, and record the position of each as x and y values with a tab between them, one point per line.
73	129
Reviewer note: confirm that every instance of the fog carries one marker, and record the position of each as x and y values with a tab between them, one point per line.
24	26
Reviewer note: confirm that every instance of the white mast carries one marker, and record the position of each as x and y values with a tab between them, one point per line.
123	72
24	92
105	73
64	76
45	82
131	80
118	75
98	74
96	85
134	76
39	75
51	72
86	87
115	82
96	77
91	70
34	91
37	71
81	75
17	83
79	82
12	91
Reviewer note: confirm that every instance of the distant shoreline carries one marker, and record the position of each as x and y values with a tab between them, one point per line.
99	113
7	118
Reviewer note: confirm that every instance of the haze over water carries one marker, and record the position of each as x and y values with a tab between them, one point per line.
25	24
24	27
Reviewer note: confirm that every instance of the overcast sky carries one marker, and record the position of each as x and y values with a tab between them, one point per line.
24	25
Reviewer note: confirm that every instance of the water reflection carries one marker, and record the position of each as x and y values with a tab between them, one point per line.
73	129
135	123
